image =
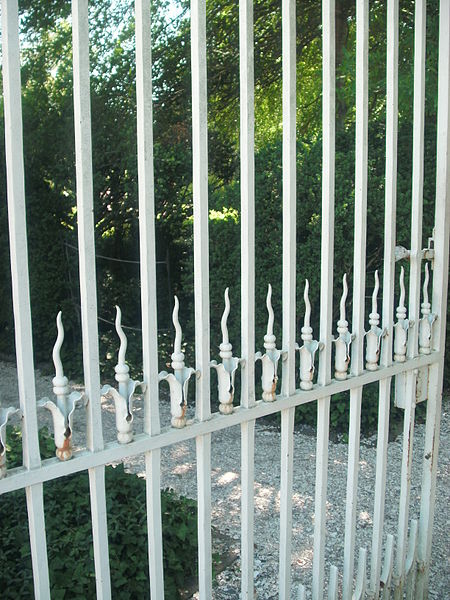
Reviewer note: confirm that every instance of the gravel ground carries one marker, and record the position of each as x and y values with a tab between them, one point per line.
179	470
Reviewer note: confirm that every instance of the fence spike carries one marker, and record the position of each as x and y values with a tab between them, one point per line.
301	592
310	346
386	575
60	381
361	577
63	409
178	380
375	333
123	397
411	560
402	325
271	318
375	295
306	323
333	586
425	287
122	337
223	323
226	370
427	320
344	339
59	372
5	413
343	297
270	358
178	332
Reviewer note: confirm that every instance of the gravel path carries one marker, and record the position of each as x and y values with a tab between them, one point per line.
179	470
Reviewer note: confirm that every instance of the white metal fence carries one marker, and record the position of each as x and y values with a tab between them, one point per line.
407	348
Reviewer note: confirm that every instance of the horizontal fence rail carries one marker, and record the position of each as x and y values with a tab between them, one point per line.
400	346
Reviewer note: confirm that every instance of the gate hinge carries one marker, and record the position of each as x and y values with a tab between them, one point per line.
428	252
402	253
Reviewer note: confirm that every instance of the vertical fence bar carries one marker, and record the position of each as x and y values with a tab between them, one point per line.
359	287
289	271
88	290
417	175
20	287
201	287
247	202
439	303
414	290
247	135
148	289
405	486
326	289
388	290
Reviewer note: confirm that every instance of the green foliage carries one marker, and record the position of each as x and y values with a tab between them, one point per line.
69	535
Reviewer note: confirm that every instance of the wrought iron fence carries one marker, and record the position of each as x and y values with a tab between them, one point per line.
407	350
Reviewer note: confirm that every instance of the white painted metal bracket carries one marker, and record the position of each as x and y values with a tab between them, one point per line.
309	348
63	409
270	358
402	253
123	397
5	413
226	370
178	380
428	252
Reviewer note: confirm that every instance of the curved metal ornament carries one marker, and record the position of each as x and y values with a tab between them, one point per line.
226	370
5	413
63	409
269	360
123	397
178	380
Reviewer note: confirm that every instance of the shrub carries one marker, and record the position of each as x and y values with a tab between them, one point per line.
69	535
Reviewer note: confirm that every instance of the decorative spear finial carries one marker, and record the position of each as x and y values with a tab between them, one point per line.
402	325
123	397
344	339
310	346
224	321
342	315
177	356
226	370
306	329
427	320
401	309
374	298
179	379
269	360
374	334
123	339
269	338
60	382
62	410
